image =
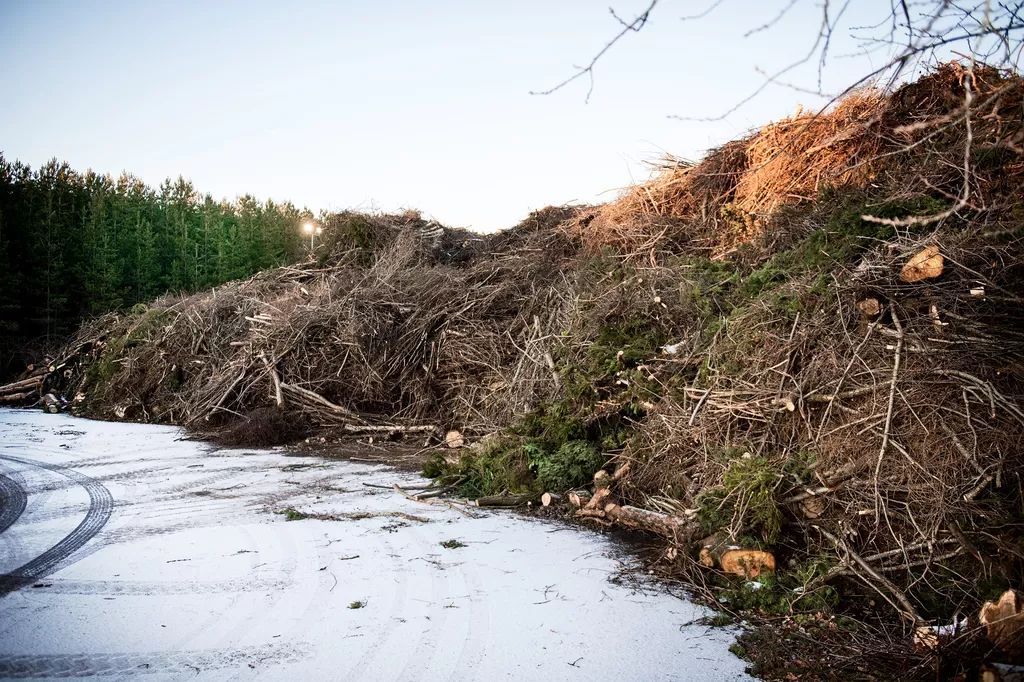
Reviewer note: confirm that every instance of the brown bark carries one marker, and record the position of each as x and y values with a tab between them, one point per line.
596	502
21	386
505	500
680	529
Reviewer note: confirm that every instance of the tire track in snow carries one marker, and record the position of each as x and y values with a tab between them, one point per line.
168	662
12	502
101	505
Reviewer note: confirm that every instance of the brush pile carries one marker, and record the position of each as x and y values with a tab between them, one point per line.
906	144
809	345
397	326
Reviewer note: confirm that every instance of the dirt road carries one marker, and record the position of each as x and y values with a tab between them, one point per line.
125	551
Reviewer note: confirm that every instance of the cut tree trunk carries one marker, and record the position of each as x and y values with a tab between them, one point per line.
1004	622
597	502
21	386
678	528
747	563
579	498
51	403
13	398
388	430
548	499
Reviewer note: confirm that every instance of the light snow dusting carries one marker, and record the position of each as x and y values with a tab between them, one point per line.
127	551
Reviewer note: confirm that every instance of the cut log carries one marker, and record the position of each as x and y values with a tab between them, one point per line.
14	398
548	499
599	499
747	563
454	439
935	636
1004	622
870	307
812	507
388	429
678	528
717	550
507	501
23	385
52	404
602	478
579	498
927	264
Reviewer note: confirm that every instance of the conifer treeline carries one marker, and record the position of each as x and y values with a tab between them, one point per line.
77	244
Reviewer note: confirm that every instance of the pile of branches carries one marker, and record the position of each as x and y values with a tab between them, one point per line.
833	376
884	429
867	139
397	325
41	383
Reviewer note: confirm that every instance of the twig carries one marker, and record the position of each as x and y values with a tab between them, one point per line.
907	610
444	503
697	407
892	399
278	395
634	26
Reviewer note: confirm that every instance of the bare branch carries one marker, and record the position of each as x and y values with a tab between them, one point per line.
634	26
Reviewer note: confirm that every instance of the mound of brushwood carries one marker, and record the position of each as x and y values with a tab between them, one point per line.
904	144
809	346
397	325
833	365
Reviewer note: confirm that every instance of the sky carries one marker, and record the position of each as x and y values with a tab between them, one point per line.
386	105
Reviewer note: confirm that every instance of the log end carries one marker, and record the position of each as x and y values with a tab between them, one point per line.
748	563
454	439
579	498
1004	622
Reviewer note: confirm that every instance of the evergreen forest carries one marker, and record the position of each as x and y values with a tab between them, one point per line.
75	245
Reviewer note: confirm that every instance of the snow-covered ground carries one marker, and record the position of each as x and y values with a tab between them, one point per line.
127	551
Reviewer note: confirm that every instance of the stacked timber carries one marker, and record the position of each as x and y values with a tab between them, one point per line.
41	384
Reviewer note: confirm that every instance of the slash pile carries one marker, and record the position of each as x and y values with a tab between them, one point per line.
810	345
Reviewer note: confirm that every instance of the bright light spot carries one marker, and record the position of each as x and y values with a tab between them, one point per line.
308	227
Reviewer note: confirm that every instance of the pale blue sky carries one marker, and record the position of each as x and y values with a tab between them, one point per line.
393	104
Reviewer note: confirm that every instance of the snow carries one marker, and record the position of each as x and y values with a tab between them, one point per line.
192	575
